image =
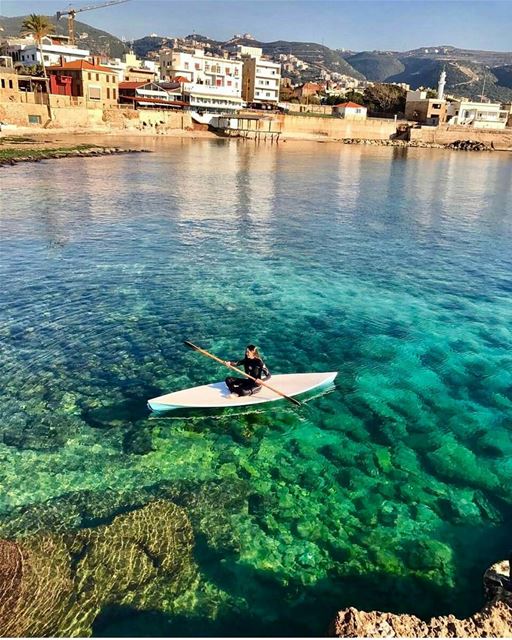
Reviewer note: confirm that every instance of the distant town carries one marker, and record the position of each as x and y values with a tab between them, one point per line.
49	80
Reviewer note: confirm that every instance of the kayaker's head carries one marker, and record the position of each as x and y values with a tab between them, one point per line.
251	352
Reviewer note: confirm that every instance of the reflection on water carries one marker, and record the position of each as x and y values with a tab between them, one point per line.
391	492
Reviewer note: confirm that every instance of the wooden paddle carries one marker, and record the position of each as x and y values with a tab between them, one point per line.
230	366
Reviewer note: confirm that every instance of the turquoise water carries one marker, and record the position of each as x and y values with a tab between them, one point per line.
392	266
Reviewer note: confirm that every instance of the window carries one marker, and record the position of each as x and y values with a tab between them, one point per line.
114	94
108	93
94	93
3	83
228	83
97	77
88	76
46	58
186	65
198	66
218	82
33	57
34	119
10	84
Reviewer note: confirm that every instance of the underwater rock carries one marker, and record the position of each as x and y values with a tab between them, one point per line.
58	584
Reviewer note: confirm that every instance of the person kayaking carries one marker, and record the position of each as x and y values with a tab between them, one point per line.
254	366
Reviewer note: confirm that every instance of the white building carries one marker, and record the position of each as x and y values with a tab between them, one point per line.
480	115
209	83
26	51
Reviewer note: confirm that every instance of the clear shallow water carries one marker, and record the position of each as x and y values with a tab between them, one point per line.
392	266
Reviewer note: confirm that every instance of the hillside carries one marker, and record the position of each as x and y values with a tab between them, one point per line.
376	65
464	76
96	40
504	75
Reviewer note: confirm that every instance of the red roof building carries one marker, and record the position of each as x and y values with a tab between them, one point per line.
97	85
350	111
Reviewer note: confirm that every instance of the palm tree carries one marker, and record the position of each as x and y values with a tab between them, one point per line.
38	27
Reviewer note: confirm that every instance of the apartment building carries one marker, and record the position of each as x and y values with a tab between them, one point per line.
261	78
209	83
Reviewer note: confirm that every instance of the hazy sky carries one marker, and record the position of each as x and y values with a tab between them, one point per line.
350	24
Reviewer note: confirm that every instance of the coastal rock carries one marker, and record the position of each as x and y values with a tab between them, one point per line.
494	621
468	145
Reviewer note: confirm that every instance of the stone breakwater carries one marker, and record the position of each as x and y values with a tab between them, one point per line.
11	157
458	145
493	621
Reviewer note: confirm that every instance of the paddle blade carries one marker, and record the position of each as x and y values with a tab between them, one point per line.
189	344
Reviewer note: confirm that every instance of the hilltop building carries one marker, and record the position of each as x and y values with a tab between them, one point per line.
209	83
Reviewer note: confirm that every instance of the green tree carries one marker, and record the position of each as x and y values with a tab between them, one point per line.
354	96
385	98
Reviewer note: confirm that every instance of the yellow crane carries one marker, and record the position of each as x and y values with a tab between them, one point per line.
71	12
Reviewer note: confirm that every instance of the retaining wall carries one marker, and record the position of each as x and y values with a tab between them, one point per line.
295	126
500	138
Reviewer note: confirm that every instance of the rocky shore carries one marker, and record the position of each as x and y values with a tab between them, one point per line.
10	156
458	145
493	621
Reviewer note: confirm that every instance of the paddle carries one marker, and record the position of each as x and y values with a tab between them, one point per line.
230	366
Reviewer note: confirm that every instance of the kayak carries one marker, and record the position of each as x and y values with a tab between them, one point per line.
217	395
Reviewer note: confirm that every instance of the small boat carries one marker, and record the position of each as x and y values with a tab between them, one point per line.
217	395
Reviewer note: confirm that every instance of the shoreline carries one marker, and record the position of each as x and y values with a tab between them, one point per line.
10	139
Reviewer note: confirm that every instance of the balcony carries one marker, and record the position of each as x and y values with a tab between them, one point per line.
212	90
265	72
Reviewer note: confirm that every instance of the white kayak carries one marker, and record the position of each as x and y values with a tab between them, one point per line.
217	395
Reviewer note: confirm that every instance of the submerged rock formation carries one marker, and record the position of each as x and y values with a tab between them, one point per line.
493	621
57	584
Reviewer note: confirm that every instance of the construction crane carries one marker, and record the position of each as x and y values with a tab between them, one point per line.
71	12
